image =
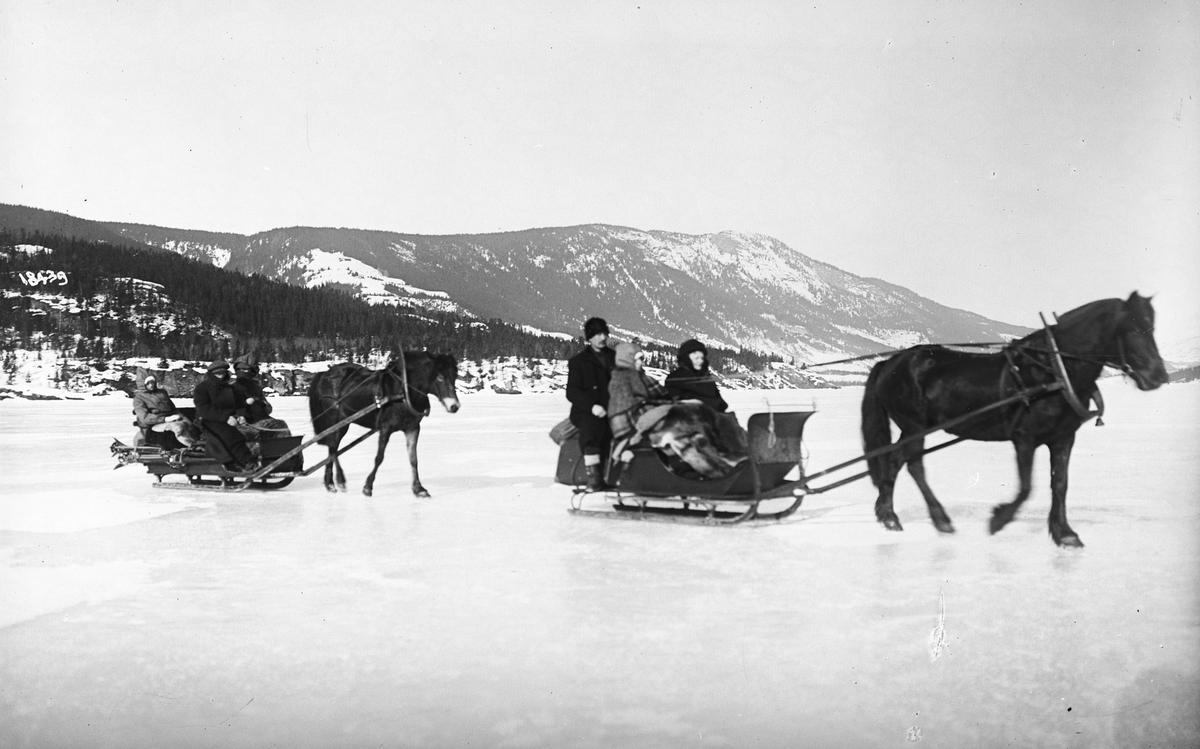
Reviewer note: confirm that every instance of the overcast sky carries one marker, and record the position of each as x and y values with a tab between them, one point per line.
999	157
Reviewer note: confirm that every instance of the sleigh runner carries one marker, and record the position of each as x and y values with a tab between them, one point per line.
280	465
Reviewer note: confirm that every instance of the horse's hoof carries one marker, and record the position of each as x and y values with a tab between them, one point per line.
331	488
420	492
892	523
367	491
944	526
1070	542
999	520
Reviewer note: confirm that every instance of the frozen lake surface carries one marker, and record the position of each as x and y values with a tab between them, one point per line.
488	616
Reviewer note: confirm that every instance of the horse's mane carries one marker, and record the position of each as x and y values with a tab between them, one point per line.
1085	315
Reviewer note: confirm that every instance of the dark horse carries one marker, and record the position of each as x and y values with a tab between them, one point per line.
346	388
928	385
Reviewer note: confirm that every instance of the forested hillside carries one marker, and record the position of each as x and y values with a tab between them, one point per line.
96	299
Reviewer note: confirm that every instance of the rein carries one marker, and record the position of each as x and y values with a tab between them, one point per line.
880	354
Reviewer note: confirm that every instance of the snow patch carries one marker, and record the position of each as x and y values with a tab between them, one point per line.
322	268
32	249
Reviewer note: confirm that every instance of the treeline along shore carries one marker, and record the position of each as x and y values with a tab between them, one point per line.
90	304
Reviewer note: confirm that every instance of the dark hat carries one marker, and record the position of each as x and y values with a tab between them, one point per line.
687	348
246	361
218	364
593	326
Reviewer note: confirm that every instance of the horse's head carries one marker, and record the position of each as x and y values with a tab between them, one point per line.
445	374
427	374
1137	353
1119	333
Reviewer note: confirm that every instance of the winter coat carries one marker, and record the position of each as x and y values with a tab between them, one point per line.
686	383
247	388
152	407
629	391
216	400
587	380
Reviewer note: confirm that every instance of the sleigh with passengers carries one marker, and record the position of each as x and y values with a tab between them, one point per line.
280	459
393	399
761	479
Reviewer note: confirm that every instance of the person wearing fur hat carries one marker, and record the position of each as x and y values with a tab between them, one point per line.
630	393
155	411
254	402
587	390
219	413
692	380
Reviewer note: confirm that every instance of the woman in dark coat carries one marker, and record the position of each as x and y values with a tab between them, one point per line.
218	413
254	403
692	380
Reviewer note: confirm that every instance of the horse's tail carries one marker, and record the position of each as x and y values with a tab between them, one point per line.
876	425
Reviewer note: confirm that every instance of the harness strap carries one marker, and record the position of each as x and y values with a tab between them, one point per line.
1060	374
404	381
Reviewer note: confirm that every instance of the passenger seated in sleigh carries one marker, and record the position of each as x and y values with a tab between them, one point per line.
255	420
689	434
160	423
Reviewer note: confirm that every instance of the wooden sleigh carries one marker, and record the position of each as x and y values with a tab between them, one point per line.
768	486
164	456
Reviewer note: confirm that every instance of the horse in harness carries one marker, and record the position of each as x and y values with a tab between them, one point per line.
1048	376
401	390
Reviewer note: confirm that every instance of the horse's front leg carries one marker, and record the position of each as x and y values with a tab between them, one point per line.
384	436
410	436
1002	515
1060	461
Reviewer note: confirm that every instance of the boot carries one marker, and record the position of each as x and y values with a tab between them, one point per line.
614	473
595	482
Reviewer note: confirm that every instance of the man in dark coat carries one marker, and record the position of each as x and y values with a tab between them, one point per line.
587	390
219	413
692	380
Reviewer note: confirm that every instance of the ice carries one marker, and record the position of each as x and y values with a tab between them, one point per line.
488	616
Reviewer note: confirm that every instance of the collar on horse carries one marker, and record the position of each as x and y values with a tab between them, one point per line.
403	398
1062	382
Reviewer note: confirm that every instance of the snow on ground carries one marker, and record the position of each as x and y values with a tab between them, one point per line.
488	616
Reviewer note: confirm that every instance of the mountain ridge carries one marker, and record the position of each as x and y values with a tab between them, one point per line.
731	288
735	289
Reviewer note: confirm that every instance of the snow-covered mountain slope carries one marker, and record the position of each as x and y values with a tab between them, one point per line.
730	288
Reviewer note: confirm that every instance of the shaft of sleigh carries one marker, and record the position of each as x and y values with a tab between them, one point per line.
939	427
